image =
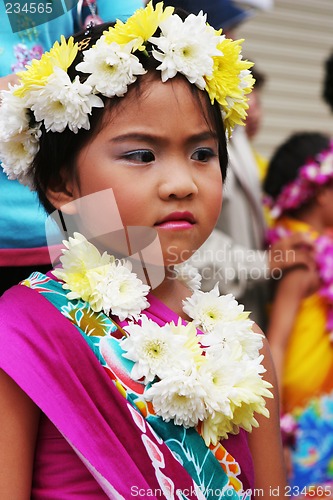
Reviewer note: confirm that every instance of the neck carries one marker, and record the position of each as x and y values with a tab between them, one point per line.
172	292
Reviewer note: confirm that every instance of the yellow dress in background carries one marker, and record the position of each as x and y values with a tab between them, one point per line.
307	390
308	365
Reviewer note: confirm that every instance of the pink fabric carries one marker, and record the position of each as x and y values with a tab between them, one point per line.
83	405
24	256
58	471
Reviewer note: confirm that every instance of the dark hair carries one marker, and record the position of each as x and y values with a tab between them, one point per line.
328	82
290	156
60	150
260	78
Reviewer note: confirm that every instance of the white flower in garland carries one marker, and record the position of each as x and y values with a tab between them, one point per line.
235	391
208	309
61	103
186	47
112	67
179	397
189	275
216	426
159	350
17	154
106	283
249	393
234	334
120	292
218	376
192	341
14	117
82	267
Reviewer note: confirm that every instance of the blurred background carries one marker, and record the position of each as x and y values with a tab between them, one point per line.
290	43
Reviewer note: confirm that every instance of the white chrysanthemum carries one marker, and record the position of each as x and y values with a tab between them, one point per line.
120	293
193	351
156	350
215	427
82	267
219	376
235	391
61	103
186	47
189	275
112	67
14	116
245	79
179	397
18	154
248	395
234	334
207	309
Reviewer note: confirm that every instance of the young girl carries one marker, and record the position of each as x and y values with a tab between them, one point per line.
300	182
107	390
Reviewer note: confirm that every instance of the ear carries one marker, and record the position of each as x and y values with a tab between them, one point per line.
61	194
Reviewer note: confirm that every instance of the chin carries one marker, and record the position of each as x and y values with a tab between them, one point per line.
176	255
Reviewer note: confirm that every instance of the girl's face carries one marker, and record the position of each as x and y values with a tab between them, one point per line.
160	157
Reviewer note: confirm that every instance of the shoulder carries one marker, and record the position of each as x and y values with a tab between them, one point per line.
26	318
265	350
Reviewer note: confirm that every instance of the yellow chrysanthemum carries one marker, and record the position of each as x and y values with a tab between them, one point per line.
227	85
61	55
139	27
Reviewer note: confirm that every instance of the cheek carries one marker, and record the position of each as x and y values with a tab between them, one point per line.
132	206
215	195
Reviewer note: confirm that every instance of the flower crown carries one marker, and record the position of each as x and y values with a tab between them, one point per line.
316	172
46	94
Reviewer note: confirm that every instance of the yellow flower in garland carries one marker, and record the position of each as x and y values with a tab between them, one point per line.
139	27
37	74
230	82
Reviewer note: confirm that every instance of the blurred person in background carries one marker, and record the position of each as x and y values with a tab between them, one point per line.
23	244
328	81
300	183
254	118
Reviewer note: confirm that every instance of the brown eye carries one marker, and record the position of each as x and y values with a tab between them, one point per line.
203	155
140	156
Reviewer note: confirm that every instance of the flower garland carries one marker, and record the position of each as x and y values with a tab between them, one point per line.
210	378
316	172
47	96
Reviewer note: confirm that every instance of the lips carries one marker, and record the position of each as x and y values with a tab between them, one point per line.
177	220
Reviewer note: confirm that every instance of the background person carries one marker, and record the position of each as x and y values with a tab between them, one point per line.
300	183
328	81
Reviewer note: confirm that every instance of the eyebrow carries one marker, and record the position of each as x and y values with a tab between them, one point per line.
138	136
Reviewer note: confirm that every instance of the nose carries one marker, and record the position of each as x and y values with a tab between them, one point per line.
178	181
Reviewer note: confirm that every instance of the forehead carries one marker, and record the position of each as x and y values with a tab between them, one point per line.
157	104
